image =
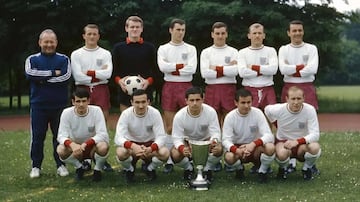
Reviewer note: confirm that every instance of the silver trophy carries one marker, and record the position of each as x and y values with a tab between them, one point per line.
200	153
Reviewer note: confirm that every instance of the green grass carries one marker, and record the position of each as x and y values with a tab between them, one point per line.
339	179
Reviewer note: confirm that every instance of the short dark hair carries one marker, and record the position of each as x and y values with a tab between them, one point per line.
138	92
218	25
295	22
176	21
80	92
242	92
91	26
194	90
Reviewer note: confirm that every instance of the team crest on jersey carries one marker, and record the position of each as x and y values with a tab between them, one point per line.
99	62
204	128
91	129
227	59
184	56
254	129
302	125
149	129
263	60
305	59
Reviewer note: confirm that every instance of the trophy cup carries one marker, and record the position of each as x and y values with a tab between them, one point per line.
199	152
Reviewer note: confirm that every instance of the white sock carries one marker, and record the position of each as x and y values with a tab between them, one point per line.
126	164
292	162
155	162
99	161
211	162
74	161
265	162
237	165
310	159
284	163
185	163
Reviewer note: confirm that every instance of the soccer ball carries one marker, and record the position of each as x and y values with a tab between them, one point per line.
132	83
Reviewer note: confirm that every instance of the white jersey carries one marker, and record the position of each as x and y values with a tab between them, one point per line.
84	59
294	125
78	128
291	55
219	56
205	126
170	54
135	128
266	58
243	129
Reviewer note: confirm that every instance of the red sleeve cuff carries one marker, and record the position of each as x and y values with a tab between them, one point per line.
299	67
90	142
175	73
219	71
301	140
150	80
179	66
67	143
233	149
181	148
127	144
117	79
91	73
154	147
258	142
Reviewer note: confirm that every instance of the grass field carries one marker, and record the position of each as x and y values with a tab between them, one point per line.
339	92
339	179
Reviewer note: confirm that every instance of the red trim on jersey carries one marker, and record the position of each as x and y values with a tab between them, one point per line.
258	142
90	73
154	147
257	69
175	73
127	144
128	41
233	149
301	140
150	80
181	148
219	71
67	143
90	142
117	79
179	66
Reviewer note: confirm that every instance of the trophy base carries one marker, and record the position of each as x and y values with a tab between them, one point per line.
199	185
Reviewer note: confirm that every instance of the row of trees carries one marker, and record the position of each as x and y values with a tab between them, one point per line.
335	34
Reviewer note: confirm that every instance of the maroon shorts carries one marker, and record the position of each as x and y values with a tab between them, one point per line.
294	150
173	95
99	95
309	93
261	97
220	96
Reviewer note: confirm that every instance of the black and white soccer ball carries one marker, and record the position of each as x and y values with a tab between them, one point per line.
132	83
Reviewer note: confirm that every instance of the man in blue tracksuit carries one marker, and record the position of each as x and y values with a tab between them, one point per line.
49	73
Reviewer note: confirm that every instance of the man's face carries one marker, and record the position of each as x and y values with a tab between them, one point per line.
81	105
48	43
194	101
140	103
134	29
256	36
91	36
244	105
177	33
295	100
296	33
219	36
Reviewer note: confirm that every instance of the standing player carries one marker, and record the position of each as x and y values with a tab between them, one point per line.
196	121
83	134
133	57
140	135
91	68
49	73
297	132
247	137
218	66
178	61
298	62
257	66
